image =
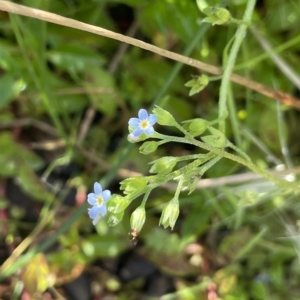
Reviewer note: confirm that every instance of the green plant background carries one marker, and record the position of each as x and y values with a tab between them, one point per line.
241	236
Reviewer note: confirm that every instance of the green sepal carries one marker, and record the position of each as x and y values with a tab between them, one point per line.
164	117
115	218
138	218
170	214
216	15
163	165
217	139
197	84
133	185
148	147
117	203
140	138
196	126
191	179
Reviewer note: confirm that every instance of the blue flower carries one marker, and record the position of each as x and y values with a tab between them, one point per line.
143	124
98	200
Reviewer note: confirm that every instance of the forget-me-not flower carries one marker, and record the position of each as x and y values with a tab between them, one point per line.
142	124
98	199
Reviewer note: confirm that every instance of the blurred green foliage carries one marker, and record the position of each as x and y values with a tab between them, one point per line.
242	237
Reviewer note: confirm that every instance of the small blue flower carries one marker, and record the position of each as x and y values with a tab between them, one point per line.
98	200
143	124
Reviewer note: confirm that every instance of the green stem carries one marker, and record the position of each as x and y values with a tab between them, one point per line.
178	189
145	198
233	118
240	34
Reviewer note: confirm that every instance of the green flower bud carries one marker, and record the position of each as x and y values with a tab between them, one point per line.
217	139
197	85
216	15
133	185
164	117
170	214
163	165
132	139
138	218
115	218
213	140
148	147
117	203
197	126
191	179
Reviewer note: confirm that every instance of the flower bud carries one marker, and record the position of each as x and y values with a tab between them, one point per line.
216	15
138	218
191	179
117	203
197	84
197	126
148	147
163	165
164	117
170	214
217	139
133	184
132	139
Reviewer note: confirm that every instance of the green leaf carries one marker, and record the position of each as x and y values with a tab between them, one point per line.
75	57
32	184
10	87
36	274
106	99
13	154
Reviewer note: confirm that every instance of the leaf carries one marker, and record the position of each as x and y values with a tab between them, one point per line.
74	57
106	100
32	184
35	275
10	87
13	154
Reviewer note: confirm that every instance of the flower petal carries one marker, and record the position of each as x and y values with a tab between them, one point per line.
97	188
152	119
106	195
149	130
143	114
94	211
137	132
96	219
134	122
103	210
92	198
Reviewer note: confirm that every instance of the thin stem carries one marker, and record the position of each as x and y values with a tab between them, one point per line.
240	34
178	190
246	163
145	198
233	119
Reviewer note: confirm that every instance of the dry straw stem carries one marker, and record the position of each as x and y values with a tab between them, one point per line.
57	19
